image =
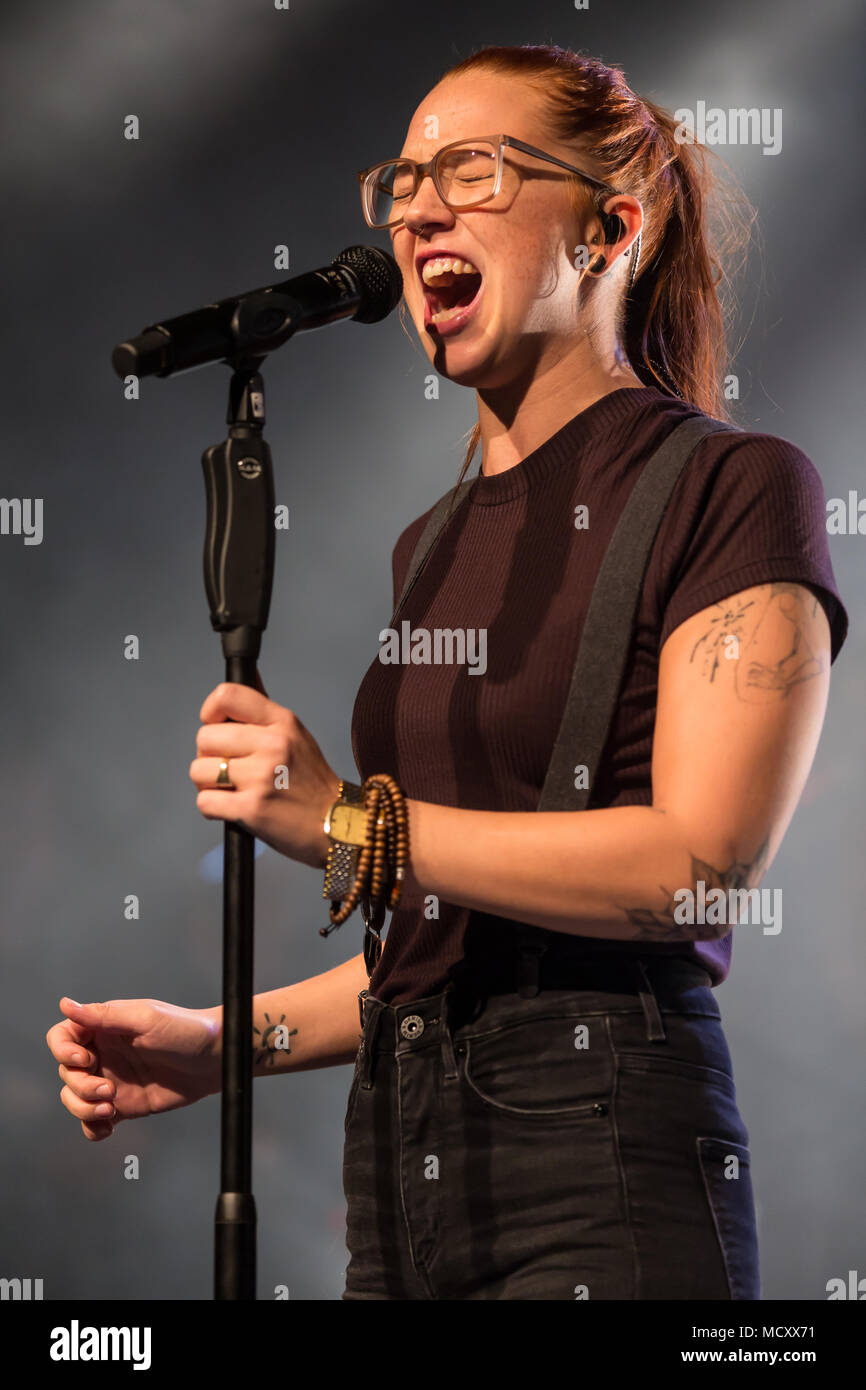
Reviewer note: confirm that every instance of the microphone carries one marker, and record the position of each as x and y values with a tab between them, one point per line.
362	283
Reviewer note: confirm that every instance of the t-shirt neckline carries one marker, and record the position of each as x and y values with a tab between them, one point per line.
594	419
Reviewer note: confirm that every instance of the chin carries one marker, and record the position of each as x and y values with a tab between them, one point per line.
468	361
478	366
462	367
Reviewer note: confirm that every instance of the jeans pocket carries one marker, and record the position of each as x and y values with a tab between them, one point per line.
726	1172
554	1067
694	1047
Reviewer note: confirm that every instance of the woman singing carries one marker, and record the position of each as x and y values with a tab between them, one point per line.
543	1104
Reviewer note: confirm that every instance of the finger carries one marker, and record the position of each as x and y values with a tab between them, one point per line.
215	804
64	1048
204	772
84	1110
97	1131
227	740
68	1054
87	1085
232	701
78	1019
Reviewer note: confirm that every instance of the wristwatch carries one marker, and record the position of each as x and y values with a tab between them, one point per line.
346	825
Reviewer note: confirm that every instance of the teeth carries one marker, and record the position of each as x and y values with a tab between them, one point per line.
444	314
442	265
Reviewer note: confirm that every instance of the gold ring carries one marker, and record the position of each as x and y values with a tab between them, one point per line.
223	779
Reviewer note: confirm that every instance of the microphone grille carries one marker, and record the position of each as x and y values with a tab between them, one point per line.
379	281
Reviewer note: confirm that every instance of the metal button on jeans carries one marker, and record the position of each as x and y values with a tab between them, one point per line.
412	1027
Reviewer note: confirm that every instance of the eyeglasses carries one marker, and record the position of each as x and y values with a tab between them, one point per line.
465	174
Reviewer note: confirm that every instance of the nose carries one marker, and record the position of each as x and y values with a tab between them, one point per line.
426	208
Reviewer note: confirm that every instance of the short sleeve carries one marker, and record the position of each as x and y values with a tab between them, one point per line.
748	509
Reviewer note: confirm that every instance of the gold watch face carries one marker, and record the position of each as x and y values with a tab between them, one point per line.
348	824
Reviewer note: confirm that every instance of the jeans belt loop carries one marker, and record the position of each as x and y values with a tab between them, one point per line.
529	968
449	1061
372	1019
655	1029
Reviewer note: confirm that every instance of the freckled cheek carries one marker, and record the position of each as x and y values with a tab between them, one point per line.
516	293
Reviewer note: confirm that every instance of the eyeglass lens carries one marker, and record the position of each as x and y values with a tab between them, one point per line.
466	174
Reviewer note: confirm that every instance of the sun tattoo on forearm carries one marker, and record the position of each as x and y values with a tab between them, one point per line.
273	1038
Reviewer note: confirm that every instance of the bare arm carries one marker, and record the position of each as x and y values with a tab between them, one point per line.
301	1027
741	698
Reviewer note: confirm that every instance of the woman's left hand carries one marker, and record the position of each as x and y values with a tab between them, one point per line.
283	785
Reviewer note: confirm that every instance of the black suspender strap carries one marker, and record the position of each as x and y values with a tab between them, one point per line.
604	646
607	631
429	537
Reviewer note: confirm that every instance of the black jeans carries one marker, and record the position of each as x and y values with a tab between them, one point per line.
581	1143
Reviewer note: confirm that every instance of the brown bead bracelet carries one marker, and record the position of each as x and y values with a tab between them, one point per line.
384	854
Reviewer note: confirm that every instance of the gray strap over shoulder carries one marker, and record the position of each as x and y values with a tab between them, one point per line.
428	538
603	652
607	631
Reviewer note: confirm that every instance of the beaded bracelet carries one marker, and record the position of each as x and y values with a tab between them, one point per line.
381	863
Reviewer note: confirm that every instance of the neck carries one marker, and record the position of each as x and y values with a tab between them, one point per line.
516	419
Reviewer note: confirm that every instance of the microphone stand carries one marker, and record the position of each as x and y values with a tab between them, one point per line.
238	576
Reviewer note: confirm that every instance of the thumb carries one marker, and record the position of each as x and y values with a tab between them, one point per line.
111	1016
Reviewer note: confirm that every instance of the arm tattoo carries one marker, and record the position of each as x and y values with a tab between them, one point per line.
766	667
273	1038
654	925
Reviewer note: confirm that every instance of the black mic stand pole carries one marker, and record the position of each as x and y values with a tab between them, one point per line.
238	575
238	578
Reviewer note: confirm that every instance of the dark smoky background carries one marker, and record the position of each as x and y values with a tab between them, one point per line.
253	123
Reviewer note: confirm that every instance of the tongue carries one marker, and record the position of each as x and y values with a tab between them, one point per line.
455	291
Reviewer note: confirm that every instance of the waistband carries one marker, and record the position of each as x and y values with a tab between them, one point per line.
536	965
655	985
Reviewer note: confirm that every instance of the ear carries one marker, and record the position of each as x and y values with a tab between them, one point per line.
620	222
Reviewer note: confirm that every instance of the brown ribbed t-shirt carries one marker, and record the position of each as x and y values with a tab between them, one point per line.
748	508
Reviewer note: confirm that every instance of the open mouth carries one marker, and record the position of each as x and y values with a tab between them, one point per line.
450	286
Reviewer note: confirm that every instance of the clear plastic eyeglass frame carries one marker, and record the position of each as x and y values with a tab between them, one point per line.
368	177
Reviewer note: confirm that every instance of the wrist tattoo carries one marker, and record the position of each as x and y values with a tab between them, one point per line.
273	1038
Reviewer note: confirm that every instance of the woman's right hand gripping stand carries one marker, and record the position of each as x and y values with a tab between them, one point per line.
127	1058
